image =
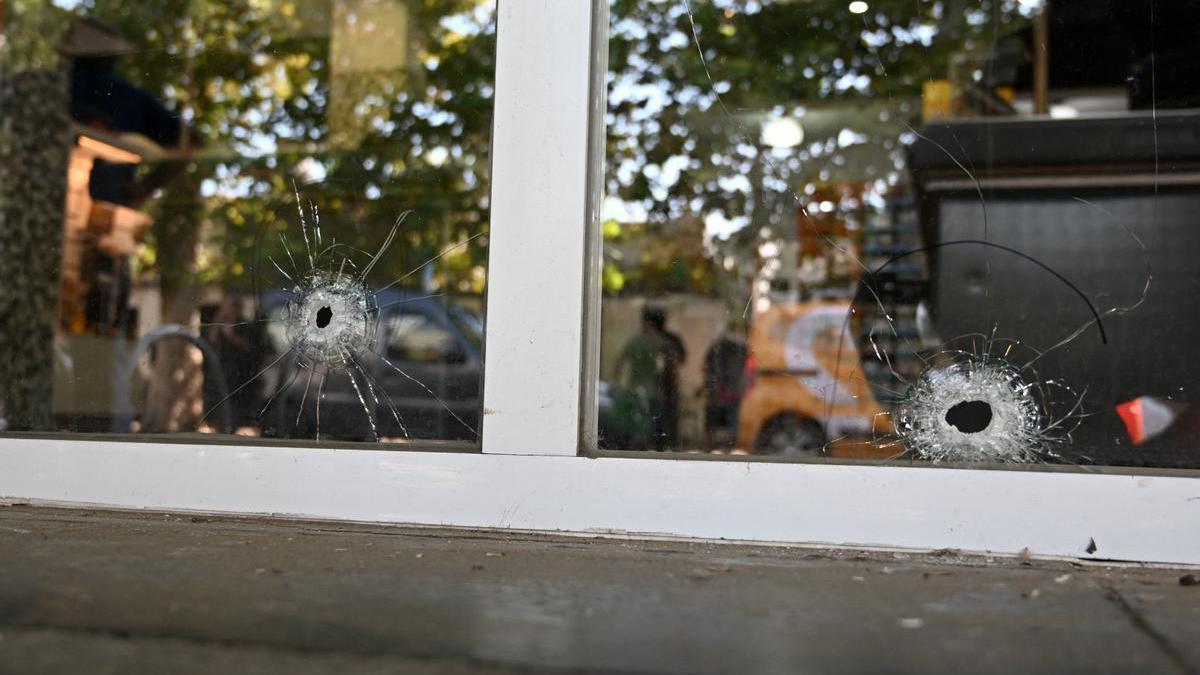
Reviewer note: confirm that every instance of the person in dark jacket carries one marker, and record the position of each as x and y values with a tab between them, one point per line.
666	431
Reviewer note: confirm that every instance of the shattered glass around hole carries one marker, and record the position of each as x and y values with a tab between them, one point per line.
901	232
344	346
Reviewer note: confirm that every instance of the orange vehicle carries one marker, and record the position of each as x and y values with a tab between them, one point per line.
806	393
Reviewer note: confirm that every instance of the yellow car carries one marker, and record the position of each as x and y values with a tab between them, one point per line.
805	391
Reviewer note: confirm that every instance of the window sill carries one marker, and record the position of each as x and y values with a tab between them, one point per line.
1128	517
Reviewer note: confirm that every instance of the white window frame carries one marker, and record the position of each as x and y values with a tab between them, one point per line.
540	371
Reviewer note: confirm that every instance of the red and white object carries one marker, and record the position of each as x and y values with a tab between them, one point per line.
1146	417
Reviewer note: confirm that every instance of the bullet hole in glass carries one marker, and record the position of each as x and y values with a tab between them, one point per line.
969	417
325	314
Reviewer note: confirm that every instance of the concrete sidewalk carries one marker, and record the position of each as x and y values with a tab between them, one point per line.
104	592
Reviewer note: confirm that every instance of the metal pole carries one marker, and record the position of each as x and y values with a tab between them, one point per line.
1041	60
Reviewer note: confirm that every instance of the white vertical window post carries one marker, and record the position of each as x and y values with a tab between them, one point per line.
542	212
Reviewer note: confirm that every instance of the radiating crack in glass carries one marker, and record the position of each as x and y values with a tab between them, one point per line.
1116	310
331	324
1024	425
1027	417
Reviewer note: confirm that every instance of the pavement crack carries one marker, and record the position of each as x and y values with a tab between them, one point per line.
1143	626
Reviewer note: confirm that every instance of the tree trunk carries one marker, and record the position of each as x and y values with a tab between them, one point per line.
175	392
34	149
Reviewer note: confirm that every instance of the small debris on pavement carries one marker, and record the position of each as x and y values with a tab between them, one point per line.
1062	579
910	622
1189	580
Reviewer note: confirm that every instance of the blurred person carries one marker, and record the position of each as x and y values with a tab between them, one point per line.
238	346
724	365
637	368
667	430
648	365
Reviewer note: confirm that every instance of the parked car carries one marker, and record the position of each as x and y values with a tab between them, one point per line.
805	386
427	359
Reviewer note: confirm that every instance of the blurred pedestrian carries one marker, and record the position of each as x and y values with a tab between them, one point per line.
238	345
724	364
649	366
666	432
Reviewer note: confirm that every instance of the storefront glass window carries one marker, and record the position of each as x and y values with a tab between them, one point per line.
927	232
261	217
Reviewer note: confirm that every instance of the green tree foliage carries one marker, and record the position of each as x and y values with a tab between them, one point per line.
690	84
254	79
692	81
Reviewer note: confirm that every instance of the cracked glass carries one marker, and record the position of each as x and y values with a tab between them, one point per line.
265	218
909	232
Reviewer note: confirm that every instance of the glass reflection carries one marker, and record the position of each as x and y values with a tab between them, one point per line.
901	231
262	217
